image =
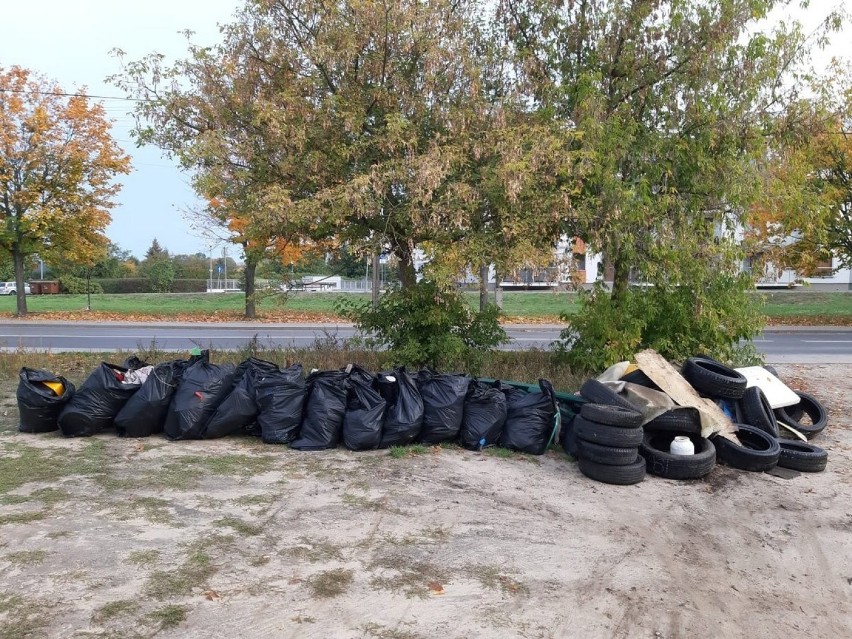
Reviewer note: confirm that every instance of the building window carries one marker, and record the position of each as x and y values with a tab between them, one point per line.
824	268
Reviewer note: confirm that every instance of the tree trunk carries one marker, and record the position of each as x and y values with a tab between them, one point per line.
376	285
498	290
407	272
620	280
18	261
251	267
88	289
483	287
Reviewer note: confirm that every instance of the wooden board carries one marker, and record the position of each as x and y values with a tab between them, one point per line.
666	376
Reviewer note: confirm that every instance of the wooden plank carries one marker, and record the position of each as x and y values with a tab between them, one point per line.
666	376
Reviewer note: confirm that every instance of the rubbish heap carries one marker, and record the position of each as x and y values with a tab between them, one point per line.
629	422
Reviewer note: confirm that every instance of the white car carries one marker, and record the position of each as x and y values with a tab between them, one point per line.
10	288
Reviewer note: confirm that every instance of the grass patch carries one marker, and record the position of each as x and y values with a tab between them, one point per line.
22	518
25	618
59	534
151	509
315	550
169	616
27	557
412	578
493	578
378	631
24	464
507	453
238	525
185	473
196	569
143	557
401	452
115	609
330	583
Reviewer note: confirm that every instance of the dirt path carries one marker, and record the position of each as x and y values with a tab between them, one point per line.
106	538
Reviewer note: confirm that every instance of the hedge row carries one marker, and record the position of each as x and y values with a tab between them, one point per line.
143	285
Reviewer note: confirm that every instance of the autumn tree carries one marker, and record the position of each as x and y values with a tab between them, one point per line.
58	162
805	216
675	104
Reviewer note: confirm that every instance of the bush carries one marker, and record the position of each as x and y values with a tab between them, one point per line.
125	285
427	325
143	285
77	285
676	321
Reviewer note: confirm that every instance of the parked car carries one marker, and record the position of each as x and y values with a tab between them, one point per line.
10	288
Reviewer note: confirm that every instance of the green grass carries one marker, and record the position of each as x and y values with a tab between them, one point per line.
780	304
526	304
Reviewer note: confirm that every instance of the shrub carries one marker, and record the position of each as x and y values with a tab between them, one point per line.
143	285
428	325
77	285
677	321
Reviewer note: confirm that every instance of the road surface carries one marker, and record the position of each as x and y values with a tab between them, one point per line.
780	345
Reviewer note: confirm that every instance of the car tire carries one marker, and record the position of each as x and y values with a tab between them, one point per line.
771	369
655	450
618	475
712	379
611	415
803	457
756	411
682	420
606	435
810	406
757	452
609	455
598	393
638	377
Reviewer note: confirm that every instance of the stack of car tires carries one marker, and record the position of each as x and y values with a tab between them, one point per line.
608	434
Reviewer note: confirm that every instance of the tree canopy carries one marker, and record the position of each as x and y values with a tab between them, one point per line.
58	162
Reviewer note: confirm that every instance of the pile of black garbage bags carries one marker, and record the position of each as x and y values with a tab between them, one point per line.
196	399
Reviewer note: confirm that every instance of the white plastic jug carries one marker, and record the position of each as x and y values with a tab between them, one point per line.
682	445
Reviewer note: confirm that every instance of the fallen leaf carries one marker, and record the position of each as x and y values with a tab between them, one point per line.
436	588
211	595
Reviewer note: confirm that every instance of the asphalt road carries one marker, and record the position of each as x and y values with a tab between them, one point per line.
828	345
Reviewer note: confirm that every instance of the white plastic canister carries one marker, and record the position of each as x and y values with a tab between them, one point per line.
682	445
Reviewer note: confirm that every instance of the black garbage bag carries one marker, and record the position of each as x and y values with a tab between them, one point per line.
38	405
529	419
365	411
133	363
325	407
484	416
280	397
96	403
443	405
145	413
404	414
201	389
239	409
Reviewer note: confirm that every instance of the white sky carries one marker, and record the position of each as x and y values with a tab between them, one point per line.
70	41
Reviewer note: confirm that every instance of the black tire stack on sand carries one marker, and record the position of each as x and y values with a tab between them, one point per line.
608	431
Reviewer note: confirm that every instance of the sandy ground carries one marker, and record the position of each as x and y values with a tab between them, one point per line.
119	538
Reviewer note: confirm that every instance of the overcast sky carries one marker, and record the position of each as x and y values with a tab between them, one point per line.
70	41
